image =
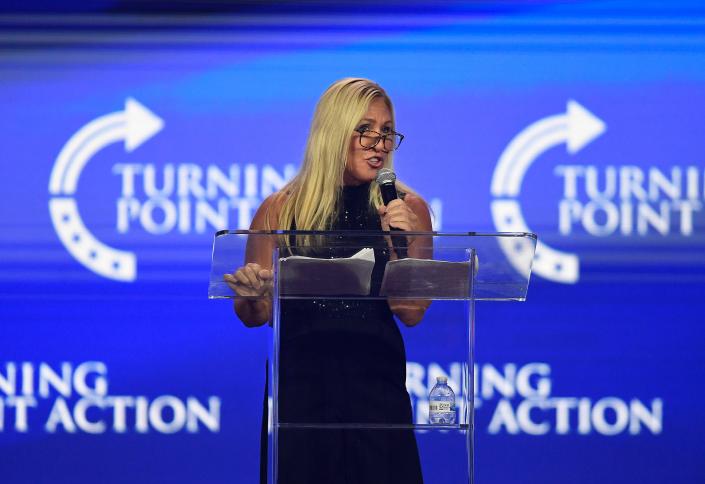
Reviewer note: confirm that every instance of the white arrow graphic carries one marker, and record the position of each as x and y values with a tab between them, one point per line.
576	128
135	125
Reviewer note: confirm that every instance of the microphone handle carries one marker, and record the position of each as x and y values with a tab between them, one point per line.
389	193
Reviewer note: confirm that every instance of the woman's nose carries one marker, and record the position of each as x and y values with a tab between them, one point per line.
380	146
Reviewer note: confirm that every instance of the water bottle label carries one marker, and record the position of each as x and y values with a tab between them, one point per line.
441	407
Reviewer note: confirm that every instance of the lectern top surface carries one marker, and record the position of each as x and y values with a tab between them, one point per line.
338	264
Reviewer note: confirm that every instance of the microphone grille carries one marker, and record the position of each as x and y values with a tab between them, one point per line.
384	176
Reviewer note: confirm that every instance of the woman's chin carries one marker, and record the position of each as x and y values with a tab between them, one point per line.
363	176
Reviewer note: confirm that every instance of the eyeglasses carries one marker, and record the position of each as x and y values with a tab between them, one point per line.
369	139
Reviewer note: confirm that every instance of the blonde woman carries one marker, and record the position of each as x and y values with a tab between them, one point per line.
341	361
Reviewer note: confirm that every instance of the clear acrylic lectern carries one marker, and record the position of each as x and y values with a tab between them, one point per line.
348	384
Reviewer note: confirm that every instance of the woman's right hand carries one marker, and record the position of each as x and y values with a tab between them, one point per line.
250	280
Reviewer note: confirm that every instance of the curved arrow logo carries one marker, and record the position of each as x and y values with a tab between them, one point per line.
577	127
135	125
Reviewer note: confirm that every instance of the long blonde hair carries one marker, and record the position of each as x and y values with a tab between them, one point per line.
311	197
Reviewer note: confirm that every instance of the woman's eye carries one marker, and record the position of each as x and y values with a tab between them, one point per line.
364	127
386	129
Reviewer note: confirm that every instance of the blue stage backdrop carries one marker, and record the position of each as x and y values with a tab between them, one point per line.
126	141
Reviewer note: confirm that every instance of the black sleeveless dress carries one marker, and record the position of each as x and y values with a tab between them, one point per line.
343	361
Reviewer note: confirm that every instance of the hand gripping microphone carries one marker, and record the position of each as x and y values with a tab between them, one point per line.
385	179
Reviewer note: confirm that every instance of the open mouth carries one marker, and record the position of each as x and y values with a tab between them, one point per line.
375	162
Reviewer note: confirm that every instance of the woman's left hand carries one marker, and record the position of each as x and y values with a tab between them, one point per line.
397	214
400	215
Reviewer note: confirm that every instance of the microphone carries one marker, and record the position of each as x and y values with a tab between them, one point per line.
385	179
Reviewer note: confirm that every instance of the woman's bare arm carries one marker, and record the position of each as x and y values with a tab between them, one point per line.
412	216
253	281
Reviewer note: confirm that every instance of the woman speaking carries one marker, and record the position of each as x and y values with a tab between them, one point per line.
341	361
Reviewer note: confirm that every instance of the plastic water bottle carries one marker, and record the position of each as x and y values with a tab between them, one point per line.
441	403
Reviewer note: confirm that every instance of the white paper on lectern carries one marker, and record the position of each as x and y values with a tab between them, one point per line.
426	278
310	276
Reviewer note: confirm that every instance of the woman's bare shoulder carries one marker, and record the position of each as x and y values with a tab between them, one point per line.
419	206
415	201
267	215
